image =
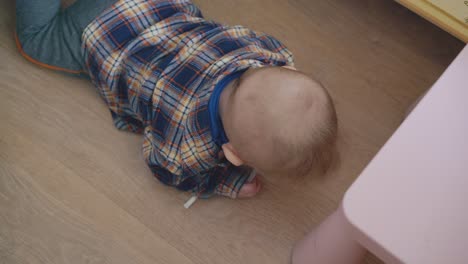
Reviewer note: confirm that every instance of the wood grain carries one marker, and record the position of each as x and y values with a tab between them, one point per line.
434	11
73	189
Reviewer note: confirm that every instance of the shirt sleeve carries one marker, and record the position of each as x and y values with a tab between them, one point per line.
127	123
225	180
221	180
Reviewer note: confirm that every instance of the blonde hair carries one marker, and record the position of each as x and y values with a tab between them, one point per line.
286	122
317	148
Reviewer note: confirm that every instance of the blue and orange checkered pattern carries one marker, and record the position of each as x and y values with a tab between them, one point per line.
155	64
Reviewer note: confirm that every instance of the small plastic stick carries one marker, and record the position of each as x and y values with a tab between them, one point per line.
194	198
190	201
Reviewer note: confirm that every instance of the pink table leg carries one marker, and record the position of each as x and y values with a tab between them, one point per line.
330	243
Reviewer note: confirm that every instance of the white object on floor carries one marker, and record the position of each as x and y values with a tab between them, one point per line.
194	198
190	201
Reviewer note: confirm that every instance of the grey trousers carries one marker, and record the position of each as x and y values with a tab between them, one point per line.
50	36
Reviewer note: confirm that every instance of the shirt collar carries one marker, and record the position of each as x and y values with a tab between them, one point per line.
217	128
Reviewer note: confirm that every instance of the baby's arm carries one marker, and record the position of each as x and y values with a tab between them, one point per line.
237	182
225	179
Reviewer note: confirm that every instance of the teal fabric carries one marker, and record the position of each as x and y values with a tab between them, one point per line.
53	36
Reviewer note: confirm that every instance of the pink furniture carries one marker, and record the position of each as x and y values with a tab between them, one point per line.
410	205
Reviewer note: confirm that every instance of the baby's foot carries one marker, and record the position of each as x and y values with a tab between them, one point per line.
250	189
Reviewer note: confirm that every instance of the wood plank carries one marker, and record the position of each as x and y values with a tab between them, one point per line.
57	134
50	215
440	17
457	9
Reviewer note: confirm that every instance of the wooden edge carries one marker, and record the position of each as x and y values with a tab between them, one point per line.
437	17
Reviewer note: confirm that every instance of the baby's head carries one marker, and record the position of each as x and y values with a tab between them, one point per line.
277	120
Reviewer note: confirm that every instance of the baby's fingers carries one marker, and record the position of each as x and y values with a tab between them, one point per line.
250	189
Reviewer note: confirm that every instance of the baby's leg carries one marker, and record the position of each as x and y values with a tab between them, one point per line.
51	37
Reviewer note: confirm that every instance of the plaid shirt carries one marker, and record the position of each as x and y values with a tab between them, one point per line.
155	64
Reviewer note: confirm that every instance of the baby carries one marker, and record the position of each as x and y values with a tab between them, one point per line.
217	105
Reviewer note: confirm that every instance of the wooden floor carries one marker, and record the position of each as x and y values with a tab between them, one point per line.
73	189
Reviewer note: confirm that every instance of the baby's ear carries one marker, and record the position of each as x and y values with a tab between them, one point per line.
231	154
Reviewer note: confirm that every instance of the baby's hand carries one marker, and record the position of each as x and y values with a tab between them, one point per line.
250	189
